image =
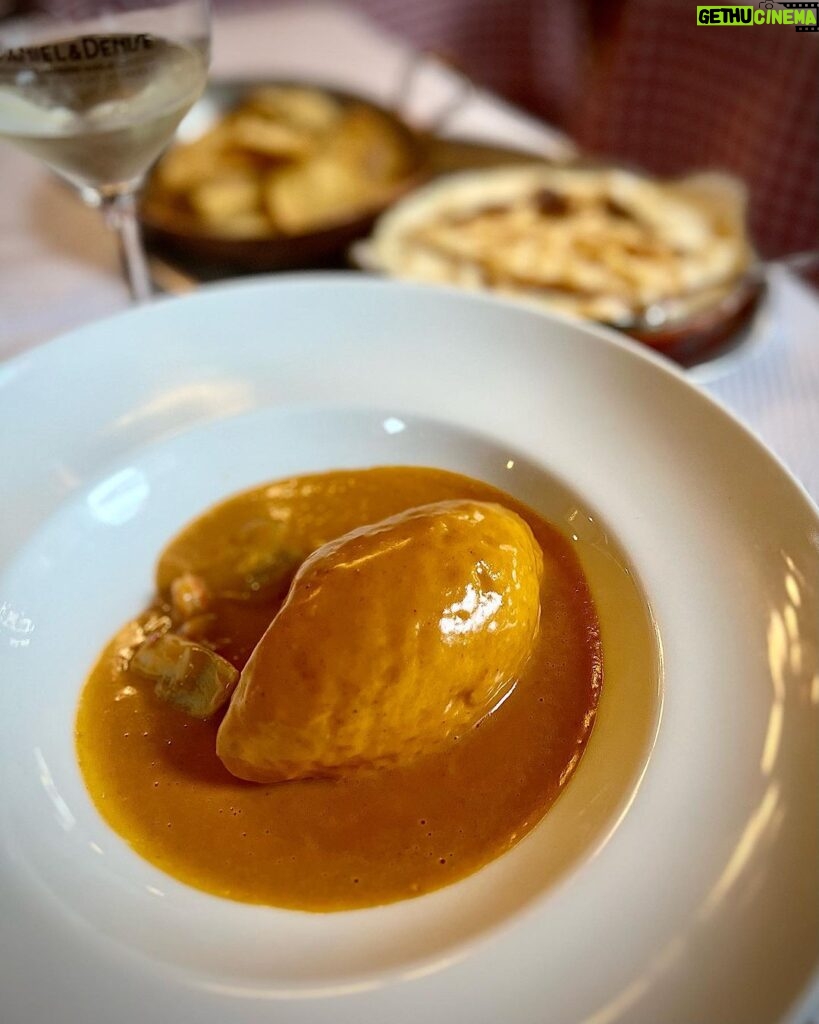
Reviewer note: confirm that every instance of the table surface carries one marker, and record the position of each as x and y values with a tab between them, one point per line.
58	264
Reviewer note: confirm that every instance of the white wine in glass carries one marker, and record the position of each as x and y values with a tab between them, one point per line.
97	91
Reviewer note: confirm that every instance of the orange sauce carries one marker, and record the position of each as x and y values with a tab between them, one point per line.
372	837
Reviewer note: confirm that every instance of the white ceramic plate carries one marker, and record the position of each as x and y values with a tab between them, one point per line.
689	896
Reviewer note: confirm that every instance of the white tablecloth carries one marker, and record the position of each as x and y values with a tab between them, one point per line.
58	264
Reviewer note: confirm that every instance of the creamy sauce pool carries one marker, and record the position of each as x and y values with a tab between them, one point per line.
372	837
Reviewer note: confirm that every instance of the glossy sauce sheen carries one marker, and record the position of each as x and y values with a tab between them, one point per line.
374	836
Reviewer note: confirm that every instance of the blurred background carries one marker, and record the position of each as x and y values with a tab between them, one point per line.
635	80
638	80
630	83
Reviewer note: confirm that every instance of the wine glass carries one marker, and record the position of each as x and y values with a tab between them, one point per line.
96	90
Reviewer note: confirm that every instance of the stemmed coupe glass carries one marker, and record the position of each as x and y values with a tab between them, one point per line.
96	90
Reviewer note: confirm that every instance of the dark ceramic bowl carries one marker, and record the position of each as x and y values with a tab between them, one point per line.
171	231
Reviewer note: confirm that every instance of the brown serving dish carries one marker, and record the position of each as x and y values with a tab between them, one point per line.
711	333
174	232
189	254
704	324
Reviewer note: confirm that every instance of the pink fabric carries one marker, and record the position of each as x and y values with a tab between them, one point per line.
671	96
524	49
639	81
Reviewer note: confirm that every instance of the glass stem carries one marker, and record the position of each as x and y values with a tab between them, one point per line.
120	214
